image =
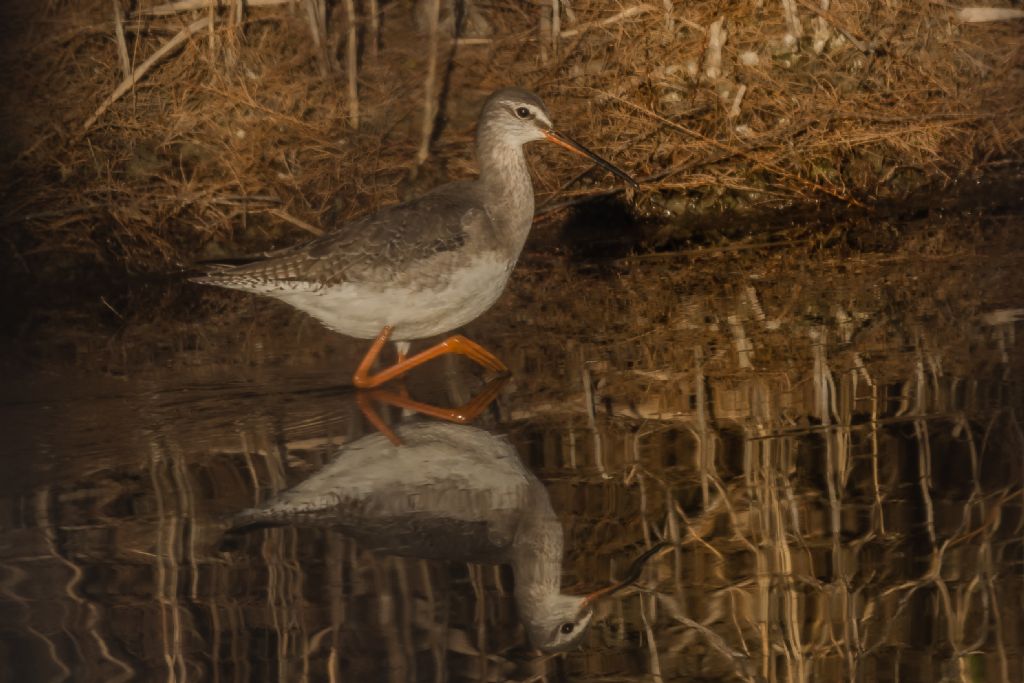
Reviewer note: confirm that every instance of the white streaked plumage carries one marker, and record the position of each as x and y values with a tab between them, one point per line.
429	265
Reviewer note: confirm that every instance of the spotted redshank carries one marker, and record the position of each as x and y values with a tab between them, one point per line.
427	266
448	492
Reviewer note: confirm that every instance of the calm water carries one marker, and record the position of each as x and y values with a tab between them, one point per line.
829	441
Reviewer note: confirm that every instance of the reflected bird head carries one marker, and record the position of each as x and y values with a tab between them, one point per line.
559	622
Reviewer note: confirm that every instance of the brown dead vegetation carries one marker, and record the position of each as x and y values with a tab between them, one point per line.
140	135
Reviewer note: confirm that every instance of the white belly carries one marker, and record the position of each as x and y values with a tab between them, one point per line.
362	310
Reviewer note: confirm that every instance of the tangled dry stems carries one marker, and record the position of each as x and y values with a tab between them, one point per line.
241	135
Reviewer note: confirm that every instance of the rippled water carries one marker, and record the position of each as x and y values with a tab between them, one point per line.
828	441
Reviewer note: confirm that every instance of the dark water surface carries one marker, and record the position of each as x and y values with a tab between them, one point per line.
829	439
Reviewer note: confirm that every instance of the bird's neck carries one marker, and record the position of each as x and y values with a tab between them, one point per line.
537	553
508	190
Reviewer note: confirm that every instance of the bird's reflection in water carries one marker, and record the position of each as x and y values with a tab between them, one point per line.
444	491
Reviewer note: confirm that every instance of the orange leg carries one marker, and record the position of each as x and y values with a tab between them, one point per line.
366	406
457	344
463	414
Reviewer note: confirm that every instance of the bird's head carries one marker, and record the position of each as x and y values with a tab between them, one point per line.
559	622
556	622
514	117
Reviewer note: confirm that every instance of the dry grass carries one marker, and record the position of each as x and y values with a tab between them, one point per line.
139	140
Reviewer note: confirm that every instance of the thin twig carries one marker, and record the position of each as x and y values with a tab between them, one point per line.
429	100
373	8
122	46
127	84
768	166
556	25
837	25
352	64
190	5
615	18
315	10
298	222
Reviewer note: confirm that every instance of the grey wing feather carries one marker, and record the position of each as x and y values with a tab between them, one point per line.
376	246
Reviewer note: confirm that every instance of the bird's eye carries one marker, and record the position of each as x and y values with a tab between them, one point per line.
523	112
567	627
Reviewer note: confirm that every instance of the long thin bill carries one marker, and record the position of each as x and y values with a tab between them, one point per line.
632	575
568	143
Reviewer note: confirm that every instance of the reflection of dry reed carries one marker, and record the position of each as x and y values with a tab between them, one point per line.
830	440
848	498
782	568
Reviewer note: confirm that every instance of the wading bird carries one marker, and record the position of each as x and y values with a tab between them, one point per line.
427	266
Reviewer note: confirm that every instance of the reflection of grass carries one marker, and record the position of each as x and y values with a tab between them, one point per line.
852	517
827	577
846	502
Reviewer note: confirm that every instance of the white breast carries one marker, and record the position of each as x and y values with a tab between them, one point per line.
362	310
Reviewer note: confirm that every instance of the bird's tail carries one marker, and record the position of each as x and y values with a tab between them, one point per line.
242	525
